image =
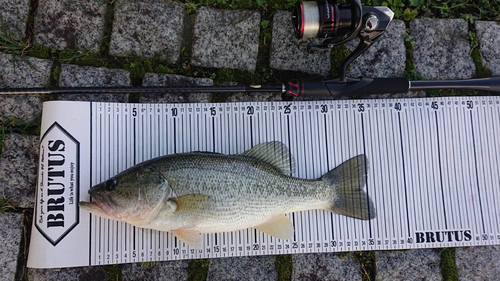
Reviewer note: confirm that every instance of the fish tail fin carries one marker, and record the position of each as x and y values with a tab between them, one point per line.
348	179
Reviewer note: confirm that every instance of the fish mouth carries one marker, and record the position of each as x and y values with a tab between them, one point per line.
101	203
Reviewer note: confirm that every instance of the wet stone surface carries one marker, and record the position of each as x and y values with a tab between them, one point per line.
68	24
289	53
247	268
18	73
89	273
226	38
14	15
478	263
408	265
441	49
385	58
147	28
10	238
243	97
488	33
18	169
155	79
169	270
325	267
88	76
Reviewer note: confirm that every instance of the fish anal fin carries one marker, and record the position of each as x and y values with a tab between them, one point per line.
281	228
274	153
190	237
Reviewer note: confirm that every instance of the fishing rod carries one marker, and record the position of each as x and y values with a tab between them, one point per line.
336	24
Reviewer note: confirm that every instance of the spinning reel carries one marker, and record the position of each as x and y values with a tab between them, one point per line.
339	24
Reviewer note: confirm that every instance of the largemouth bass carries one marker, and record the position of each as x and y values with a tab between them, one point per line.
204	192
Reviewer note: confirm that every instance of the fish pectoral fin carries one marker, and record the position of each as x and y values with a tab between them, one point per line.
188	202
281	228
274	153
190	237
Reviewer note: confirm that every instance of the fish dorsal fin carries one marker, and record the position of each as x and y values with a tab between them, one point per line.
190	237
275	153
281	228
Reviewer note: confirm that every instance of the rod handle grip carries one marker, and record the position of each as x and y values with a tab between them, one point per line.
351	87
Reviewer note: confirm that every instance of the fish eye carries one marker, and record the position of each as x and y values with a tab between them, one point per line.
111	184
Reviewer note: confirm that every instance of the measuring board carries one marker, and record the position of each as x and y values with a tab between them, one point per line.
433	175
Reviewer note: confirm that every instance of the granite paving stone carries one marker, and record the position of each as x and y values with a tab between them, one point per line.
385	58
264	96
68	24
155	79
24	72
289	53
13	17
88	273
10	239
147	28
325	266
478	263
169	270
226	38
89	76
243	268
408	265
441	48
488	34
18	169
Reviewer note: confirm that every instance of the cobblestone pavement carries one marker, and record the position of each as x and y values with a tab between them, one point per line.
218	39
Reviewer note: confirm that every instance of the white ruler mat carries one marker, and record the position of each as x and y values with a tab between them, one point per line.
434	173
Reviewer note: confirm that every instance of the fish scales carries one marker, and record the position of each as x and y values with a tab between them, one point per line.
241	190
203	192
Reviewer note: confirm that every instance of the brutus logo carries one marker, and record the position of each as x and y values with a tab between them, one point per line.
443	236
56	212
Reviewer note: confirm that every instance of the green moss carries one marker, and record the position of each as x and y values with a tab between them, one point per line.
452	92
236	75
338	55
198	270
220	97
368	263
6	205
56	74
114	272
81	57
161	68
40	52
138	66
149	264
13	125
284	267
481	70
343	255
449	269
